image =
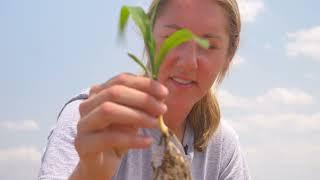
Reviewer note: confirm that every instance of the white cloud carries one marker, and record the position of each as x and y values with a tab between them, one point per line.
267	46
293	160
290	139
20	153
310	76
279	122
285	96
27	125
250	9
227	99
238	60
304	42
19	163
271	130
274	97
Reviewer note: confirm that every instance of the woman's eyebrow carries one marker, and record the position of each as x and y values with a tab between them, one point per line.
207	35
173	26
212	36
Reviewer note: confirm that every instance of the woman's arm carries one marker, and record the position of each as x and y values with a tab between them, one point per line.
92	136
60	157
233	164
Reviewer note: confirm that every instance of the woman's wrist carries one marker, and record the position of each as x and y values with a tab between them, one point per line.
83	172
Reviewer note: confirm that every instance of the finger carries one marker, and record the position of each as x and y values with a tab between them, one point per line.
129	129
144	84
141	83
110	113
127	97
106	140
95	89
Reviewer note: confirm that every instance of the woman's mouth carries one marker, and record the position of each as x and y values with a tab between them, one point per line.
182	82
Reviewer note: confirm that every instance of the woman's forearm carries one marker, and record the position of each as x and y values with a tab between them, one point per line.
81	173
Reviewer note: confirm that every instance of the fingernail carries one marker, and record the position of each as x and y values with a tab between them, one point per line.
165	90
146	140
164	108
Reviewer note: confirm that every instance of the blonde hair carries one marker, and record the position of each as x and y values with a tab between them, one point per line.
205	114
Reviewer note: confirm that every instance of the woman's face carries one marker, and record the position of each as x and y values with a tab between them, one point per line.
189	71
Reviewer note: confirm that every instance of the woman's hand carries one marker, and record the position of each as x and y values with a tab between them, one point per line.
110	119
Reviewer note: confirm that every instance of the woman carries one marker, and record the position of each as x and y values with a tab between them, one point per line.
109	135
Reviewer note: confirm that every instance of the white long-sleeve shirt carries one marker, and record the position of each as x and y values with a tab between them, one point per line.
221	160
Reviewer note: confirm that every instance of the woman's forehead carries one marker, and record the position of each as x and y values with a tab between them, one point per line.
197	15
193	5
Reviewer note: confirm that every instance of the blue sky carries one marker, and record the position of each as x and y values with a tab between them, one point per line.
51	50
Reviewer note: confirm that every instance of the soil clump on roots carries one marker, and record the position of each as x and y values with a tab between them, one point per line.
173	165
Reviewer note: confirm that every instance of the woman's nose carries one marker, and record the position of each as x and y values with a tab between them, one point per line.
187	57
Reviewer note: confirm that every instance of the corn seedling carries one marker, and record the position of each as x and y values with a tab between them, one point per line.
173	164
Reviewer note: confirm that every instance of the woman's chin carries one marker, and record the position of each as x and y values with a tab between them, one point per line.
177	101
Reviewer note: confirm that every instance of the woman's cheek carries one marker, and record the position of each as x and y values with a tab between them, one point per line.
209	71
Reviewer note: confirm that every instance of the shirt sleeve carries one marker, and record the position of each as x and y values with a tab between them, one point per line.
60	157
233	165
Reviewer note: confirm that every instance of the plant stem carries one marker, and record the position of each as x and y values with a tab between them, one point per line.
164	129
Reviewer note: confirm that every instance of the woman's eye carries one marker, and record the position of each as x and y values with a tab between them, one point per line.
212	47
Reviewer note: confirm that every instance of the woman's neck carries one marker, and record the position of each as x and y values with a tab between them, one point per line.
175	119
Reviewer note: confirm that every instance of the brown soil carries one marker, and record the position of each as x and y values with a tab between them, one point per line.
173	165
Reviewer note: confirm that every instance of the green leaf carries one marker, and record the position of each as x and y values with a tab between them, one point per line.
152	41
141	19
138	16
123	20
204	43
150	44
174	40
154	13
139	62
